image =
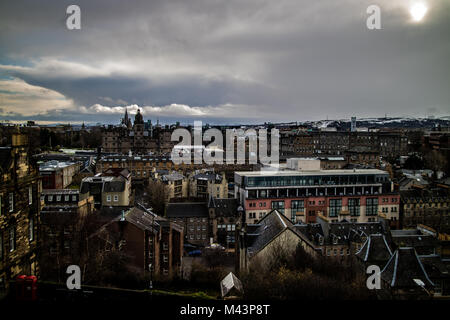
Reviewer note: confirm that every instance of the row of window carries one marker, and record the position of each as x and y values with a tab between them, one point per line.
386	210
313	192
275	181
227	227
198	236
108	198
11	199
192	228
59	197
386	200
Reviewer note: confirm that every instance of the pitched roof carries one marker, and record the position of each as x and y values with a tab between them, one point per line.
267	229
187	210
224	207
142	219
403	267
114	186
229	283
375	249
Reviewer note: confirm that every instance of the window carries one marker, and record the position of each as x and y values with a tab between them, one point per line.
354	206
335	207
108	198
165	258
50	198
31	229
371	206
296	206
74	198
11	202
30	195
12	238
116	198
279	205
58	198
66	198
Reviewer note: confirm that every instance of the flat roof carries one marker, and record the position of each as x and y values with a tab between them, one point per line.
285	173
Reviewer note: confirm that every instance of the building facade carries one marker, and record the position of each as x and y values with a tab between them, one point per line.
138	137
111	188
361	195
20	186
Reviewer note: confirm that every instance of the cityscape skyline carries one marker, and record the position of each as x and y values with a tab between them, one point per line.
233	62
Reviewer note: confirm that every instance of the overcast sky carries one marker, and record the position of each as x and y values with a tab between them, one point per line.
222	61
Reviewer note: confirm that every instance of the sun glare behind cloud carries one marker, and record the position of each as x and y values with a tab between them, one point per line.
418	11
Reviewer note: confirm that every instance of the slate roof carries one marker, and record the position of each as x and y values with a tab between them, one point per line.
267	229
211	176
114	186
226	207
340	232
116	172
312	231
403	267
174	176
143	220
423	243
187	210
435	267
375	250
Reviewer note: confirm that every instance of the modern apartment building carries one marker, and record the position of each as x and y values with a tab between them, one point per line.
358	195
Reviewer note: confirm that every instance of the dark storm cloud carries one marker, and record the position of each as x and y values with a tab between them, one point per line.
276	60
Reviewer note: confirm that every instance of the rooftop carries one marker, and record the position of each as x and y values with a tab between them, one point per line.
311	172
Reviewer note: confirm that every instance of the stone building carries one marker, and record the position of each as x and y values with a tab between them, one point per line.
338	143
205	184
138	138
111	188
194	218
20	186
430	207
63	217
224	216
154	243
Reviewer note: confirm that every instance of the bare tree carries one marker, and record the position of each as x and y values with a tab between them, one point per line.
157	196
